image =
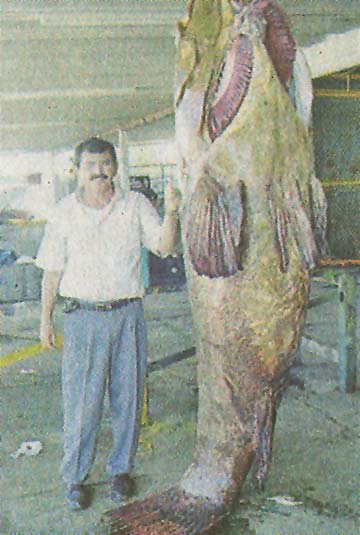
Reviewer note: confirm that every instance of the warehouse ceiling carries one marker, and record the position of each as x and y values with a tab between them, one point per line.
76	68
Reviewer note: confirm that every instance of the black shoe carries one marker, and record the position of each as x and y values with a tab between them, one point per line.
122	487
76	497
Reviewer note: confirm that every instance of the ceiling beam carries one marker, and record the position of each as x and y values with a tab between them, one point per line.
133	123
336	52
35	32
78	93
81	20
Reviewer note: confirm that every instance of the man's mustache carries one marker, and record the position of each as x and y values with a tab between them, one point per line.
99	177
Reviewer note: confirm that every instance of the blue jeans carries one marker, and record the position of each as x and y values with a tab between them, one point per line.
102	349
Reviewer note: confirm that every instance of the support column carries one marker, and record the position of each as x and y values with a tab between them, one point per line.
346	330
123	157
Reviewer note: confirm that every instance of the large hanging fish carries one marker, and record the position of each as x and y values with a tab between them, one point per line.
253	225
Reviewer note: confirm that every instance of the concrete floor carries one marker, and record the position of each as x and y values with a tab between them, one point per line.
316	446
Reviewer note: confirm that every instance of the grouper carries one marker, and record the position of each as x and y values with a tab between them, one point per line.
253	225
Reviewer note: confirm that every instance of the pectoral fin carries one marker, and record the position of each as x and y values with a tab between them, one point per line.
214	229
280	221
291	224
318	212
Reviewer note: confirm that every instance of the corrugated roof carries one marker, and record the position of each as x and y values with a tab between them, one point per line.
76	68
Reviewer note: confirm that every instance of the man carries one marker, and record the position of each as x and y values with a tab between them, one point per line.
91	254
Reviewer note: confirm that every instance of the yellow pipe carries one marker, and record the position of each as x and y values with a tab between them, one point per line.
339	183
21	222
145	407
337	93
26	352
344	75
35	349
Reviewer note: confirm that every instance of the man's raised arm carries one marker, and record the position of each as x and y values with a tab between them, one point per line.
170	226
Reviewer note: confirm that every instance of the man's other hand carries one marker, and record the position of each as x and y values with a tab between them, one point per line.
47	334
172	199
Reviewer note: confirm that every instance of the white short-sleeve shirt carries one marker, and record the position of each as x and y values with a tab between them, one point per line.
98	251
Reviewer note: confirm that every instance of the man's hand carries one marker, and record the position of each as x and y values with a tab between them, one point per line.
169	236
47	334
50	284
172	199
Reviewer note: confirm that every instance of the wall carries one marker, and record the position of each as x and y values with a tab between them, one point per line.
337	138
337	156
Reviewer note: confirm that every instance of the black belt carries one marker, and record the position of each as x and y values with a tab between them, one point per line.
99	306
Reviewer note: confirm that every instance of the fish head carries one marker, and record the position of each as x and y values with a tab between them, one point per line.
213	72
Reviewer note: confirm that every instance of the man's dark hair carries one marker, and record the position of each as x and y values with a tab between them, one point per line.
96	146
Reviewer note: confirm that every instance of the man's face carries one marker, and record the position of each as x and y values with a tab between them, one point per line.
96	169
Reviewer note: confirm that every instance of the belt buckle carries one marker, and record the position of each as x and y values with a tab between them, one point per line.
103	307
70	305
